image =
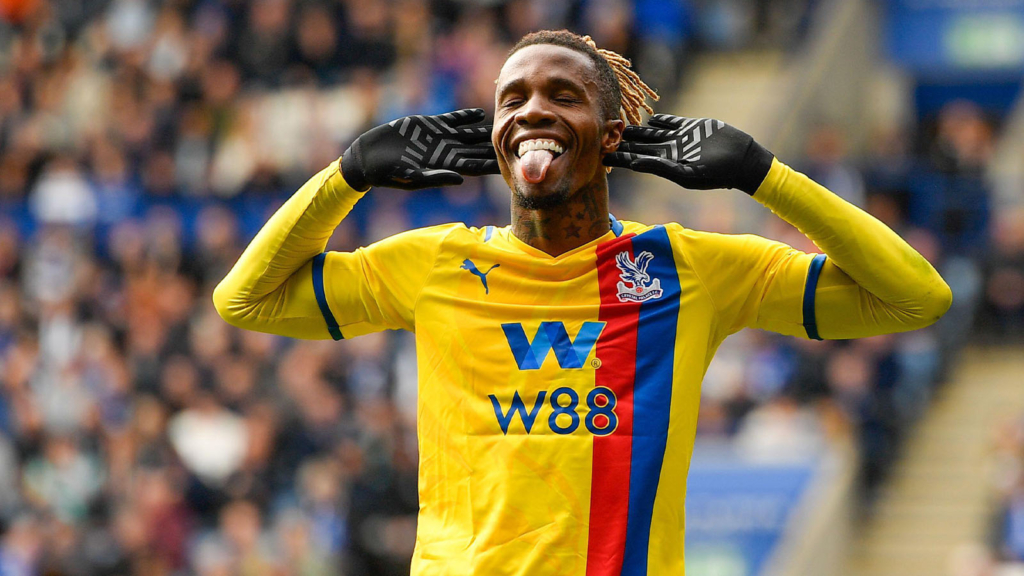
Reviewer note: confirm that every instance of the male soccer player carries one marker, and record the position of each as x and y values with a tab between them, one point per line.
560	358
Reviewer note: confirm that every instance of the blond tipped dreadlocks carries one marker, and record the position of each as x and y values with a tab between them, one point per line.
634	91
623	93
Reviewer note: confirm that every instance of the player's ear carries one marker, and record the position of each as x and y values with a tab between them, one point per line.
612	135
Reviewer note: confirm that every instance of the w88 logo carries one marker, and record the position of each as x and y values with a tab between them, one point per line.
600	418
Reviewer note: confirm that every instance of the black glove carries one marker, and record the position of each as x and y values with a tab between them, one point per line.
421	152
696	153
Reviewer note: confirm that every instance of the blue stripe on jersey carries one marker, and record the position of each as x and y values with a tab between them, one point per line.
616	225
810	320
652	395
488	232
321	297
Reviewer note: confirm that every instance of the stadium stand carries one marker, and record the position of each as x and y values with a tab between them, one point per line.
143	143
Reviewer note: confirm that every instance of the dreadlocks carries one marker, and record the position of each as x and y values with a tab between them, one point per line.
623	93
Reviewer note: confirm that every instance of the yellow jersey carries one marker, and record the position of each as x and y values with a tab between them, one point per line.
558	395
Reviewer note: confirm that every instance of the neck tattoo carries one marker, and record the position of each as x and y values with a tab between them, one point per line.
583	217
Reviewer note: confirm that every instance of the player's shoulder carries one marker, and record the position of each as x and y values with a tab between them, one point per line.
427	234
693	242
676	231
441	236
632	227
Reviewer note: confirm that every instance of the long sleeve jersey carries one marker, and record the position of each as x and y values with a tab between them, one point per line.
558	395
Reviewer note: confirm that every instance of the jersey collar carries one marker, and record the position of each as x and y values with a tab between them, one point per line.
614	232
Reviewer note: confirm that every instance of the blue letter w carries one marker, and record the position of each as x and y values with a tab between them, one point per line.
551	336
517	406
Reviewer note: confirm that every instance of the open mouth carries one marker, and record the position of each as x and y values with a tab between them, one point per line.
535	157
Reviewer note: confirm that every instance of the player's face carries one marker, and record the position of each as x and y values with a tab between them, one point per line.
548	100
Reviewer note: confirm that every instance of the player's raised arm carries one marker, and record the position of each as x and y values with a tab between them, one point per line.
872	282
278	284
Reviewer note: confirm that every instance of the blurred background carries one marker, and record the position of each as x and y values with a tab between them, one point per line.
143	142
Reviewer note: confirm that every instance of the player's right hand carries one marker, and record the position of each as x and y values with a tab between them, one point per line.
421	152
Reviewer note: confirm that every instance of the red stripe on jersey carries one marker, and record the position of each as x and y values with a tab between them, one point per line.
616	349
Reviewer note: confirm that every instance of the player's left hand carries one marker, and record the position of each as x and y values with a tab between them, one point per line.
696	153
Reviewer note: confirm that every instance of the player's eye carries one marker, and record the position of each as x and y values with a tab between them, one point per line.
566	99
511	102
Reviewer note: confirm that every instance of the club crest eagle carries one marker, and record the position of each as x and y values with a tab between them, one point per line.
635	272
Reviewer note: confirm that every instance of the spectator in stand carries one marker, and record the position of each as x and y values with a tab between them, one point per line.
1008	541
1004	287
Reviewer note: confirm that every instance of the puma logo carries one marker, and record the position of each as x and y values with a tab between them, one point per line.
467	264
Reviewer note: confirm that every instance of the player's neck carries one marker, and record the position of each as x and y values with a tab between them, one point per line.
582	219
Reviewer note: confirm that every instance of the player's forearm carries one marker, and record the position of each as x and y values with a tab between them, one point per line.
262	291
910	292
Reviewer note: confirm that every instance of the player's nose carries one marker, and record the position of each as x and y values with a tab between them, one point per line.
534	112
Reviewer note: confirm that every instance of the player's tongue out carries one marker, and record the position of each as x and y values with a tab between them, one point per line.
534	165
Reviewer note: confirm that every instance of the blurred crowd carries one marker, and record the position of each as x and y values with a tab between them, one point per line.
142	143
1008	526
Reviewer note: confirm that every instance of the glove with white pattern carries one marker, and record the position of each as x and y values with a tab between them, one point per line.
421	152
696	153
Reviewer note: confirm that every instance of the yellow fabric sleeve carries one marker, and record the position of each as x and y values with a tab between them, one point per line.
872	281
270	288
284	283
